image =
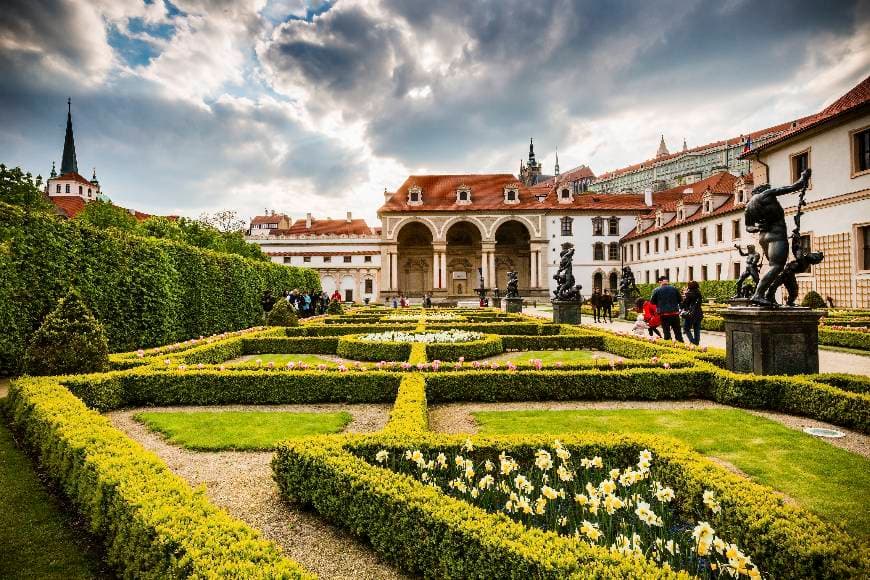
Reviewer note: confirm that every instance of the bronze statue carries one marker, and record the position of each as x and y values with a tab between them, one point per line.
513	284
765	215
627	285
565	287
753	264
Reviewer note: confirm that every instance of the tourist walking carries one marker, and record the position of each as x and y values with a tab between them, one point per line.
667	302
692	312
595	301
647	311
606	307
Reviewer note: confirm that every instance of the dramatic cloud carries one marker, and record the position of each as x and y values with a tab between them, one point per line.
303	105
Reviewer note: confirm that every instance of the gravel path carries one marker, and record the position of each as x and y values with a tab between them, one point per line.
4	387
241	483
457	418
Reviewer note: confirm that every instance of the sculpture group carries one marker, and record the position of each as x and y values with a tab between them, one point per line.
566	289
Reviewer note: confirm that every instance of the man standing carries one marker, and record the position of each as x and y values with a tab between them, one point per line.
595	301
667	299
607	307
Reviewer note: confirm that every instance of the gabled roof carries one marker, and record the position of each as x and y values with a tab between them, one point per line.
487	194
268	219
855	99
721	183
73	176
355	227
581	172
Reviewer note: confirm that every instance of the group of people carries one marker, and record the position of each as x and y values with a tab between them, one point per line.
602	305
304	303
667	308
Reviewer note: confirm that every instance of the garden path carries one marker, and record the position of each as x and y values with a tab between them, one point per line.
241	483
457	417
830	361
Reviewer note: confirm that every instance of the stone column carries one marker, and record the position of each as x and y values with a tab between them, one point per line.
533	273
444	283
493	275
394	271
436	271
487	261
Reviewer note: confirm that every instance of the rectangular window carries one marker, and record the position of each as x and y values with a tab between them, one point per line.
597	227
598	252
367	259
613	251
613	226
864	247
691	273
719	234
861	151
288	260
736	270
799	163
631	252
703	236
656	245
348	295
667	243
718	271
567	226
638	250
327	259
668	273
369	286
306	259
703	273
347	259
677	276
647	276
657	275
646	244
677	241
690	239
735	230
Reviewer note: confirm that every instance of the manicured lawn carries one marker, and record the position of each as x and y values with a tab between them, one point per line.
832	482
239	430
548	356
37	539
283	359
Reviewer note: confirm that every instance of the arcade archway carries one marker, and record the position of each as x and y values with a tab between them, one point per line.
463	258
513	252
414	246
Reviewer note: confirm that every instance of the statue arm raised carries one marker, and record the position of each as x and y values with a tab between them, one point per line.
798	185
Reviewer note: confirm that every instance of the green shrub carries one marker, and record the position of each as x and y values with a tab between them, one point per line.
355	349
854	383
334	307
513	328
813	299
69	341
152	523
563	342
490	345
289	345
844	338
718	290
282	314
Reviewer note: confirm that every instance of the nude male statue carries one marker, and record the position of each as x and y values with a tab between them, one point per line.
753	263
765	215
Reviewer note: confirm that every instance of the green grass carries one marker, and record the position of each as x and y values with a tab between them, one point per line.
830	481
845	349
547	356
283	359
239	430
37	539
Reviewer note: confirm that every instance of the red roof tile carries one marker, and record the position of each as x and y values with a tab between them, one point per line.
355	227
73	176
581	172
720	183
268	219
72	205
487	194
859	96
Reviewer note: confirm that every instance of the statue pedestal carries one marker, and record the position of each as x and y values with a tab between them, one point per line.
496	302
624	308
513	305
768	341
566	312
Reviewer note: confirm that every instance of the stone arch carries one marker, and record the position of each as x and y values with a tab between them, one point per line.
530	226
464	250
613	281
598	281
327	283
394	233
415	258
445	227
513	251
348	288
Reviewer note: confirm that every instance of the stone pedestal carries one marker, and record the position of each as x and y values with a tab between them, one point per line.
624	308
766	341
496	302
513	305
566	312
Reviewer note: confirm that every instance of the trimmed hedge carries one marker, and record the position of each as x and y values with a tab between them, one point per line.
353	348
290	345
719	290
844	338
152	523
512	328
418	528
854	383
490	345
563	342
145	291
344	329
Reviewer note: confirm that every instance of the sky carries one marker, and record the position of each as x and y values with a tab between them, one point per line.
317	106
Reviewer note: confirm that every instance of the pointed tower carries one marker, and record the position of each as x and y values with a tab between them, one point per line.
663	149
69	163
556	169
530	174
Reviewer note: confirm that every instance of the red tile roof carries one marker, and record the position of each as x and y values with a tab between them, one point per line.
720	183
268	219
581	172
755	135
73	176
859	96
487	194
355	227
72	205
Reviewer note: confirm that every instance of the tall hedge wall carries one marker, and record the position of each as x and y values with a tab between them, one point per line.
719	290
145	291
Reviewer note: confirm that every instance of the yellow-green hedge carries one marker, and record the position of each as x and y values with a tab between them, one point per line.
152	523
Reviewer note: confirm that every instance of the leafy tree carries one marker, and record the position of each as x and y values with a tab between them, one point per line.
69	341
104	214
282	314
21	189
223	221
813	299
162	227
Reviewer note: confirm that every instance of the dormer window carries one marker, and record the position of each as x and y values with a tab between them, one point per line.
511	195
565	196
67	188
638	228
89	192
659	218
681	212
740	196
707	204
415	195
463	195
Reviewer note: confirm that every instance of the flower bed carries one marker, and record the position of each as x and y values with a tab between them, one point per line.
448	336
427	317
396	346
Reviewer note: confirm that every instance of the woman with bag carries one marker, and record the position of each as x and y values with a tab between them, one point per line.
692	312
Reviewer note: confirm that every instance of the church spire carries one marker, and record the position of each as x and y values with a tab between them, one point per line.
685	147
663	149
556	171
69	163
532	152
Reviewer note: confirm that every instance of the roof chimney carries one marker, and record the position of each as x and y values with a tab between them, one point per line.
349	218
308	221
647	197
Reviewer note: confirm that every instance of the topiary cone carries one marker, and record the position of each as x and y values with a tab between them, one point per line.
282	315
71	340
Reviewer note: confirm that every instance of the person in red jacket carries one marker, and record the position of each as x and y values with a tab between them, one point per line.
650	315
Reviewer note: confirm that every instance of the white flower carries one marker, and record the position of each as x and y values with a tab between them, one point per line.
382	455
